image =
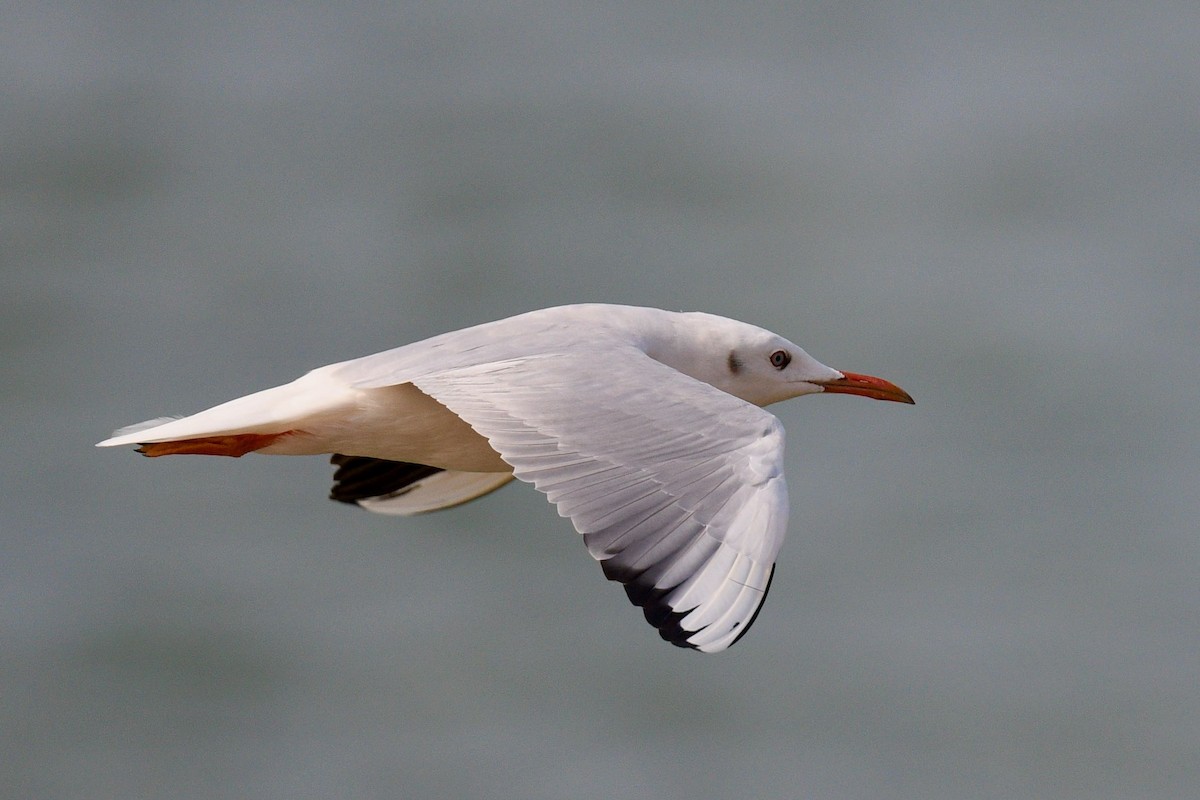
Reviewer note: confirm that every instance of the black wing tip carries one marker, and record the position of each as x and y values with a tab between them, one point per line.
360	477
757	611
661	615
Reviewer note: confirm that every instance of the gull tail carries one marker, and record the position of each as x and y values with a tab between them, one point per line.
239	426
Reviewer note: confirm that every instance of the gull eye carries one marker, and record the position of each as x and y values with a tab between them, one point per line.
780	359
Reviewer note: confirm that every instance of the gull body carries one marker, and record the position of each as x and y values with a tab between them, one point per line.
645	428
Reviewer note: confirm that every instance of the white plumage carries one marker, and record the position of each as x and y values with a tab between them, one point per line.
642	426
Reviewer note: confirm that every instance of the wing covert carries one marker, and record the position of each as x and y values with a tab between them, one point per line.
677	487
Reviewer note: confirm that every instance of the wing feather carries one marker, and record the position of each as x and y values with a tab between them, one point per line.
397	487
676	486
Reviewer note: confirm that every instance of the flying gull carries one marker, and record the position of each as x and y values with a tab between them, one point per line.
644	427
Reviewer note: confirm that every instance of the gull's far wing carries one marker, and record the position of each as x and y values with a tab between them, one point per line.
397	487
677	487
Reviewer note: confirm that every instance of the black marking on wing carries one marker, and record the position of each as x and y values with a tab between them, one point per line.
659	613
761	603
359	477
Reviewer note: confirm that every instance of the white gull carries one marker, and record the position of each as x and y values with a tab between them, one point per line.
644	427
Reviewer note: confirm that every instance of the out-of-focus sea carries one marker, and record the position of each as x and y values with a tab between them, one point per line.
992	594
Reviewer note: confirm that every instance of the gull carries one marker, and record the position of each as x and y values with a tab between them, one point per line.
645	427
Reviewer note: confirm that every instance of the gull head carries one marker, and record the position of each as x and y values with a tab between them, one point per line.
758	366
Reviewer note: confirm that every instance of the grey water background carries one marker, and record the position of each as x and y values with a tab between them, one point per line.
992	594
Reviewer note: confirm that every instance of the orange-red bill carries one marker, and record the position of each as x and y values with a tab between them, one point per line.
868	386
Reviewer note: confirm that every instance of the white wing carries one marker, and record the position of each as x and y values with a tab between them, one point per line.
397	487
677	487
443	489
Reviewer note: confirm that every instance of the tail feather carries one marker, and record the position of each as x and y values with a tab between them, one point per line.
269	412
138	427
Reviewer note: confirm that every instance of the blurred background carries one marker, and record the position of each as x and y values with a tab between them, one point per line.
992	594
